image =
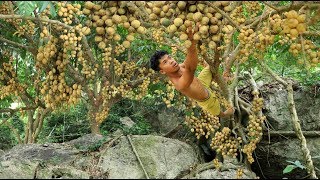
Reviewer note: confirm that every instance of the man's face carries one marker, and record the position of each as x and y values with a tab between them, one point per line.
168	65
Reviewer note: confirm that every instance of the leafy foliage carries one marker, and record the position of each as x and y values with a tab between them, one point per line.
296	164
64	126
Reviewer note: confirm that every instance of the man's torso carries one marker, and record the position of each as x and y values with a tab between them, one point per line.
195	91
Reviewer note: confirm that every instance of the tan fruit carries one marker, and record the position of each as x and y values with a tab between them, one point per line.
165	22
110	30
100	30
187	23
214	20
292	23
196	36
97	38
178	22
102	45
135	23
218	15
216	38
301	28
172	28
183	36
197	16
228	8
213	29
212	45
182	5
294	33
116	19
141	30
301	18
126	44
126	25
192	8
108	22
205	20
292	14
130	37
88	5
85	11
121	11
187	43
203	30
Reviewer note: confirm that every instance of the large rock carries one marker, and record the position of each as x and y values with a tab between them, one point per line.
39	161
277	111
273	154
162	158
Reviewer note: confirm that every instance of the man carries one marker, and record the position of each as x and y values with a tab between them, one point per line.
183	79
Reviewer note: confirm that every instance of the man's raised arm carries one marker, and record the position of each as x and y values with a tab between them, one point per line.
192	60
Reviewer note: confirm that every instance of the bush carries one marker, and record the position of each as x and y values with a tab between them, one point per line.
65	126
131	109
7	137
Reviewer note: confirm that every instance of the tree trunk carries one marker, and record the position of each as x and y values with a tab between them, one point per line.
95	127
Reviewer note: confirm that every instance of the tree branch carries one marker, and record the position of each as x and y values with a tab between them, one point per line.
17	44
17	109
224	14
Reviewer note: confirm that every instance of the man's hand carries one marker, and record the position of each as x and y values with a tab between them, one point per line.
190	33
227	113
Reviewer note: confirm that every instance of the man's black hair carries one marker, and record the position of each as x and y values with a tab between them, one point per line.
155	58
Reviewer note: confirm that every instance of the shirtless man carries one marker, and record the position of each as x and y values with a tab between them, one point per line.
183	79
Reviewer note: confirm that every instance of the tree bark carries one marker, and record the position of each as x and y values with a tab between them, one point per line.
297	129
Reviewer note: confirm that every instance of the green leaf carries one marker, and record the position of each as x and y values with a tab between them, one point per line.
43	5
26	7
52	10
289	168
298	164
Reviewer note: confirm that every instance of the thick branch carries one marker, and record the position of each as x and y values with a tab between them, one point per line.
295	6
223	13
18	109
2	16
296	122
17	44
297	129
137	155
274	75
293	133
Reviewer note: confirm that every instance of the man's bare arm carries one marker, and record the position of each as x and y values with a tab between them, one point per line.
192	60
190	63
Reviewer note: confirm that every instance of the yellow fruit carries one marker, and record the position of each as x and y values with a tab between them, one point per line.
126	44
110	30
86	30
182	5
301	28
100	30
292	23
102	45
183	36
130	37
301	18
116	19
172	28
197	16
294	33
178	22
141	30
135	23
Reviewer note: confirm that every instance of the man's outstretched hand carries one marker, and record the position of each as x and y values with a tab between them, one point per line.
227	113
190	32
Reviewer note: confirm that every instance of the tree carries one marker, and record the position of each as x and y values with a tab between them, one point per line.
84	51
